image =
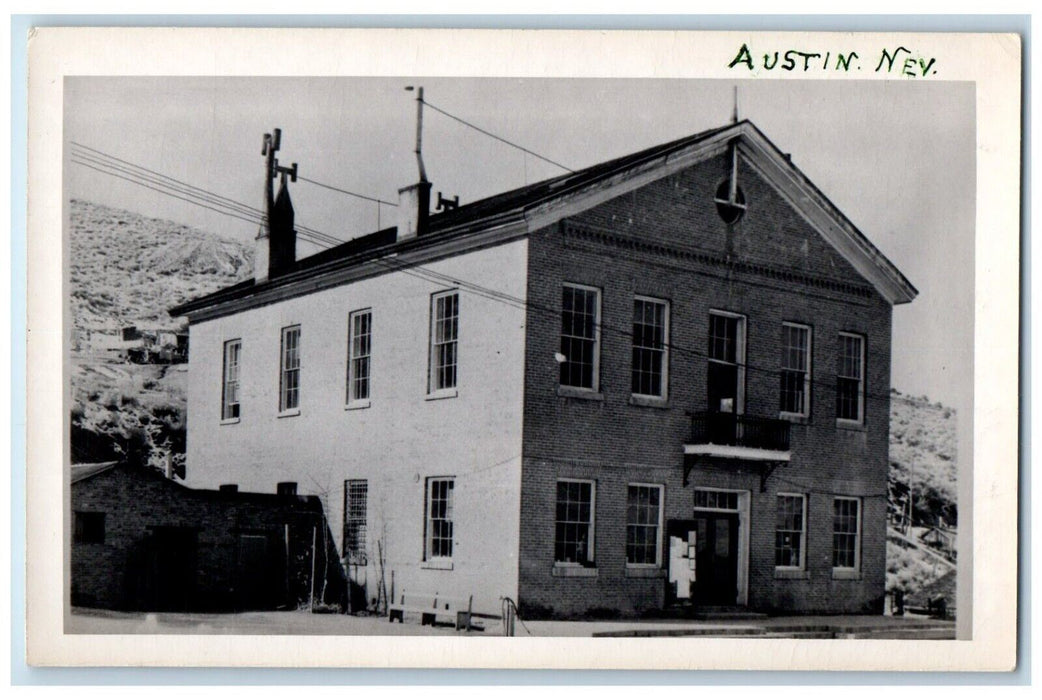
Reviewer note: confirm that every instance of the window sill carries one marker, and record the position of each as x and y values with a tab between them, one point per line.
229	421
289	413
795	574
846	575
574	392
442	394
644	572
438	564
844	424
795	418
573	571
649	401
355	405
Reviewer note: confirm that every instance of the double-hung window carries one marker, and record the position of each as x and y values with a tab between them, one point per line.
444	356
643	525
650	338
438	521
573	527
790	533
289	378
356	506
359	350
850	378
725	379
795	370
230	383
580	337
846	535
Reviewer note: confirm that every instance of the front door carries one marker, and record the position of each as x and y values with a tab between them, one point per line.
716	558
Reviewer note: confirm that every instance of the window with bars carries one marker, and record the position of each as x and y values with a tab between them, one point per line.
289	384
846	533
650	336
230	383
580	336
573	530
438	540
795	369
359	350
444	341
356	506
643	524
716	500
790	531
850	378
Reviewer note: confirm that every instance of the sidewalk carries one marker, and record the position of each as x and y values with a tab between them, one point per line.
89	621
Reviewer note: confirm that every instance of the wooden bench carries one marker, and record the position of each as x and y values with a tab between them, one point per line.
430	606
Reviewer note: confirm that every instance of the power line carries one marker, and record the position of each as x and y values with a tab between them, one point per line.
347	192
426	274
497	138
164	184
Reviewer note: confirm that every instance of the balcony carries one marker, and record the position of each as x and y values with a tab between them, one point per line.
737	436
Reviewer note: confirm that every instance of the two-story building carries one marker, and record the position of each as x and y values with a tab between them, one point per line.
661	380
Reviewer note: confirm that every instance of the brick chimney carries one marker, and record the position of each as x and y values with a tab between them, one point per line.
414	204
275	249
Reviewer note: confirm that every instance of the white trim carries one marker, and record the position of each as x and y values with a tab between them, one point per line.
225	367
431	561
736	452
739	355
837	230
807	381
863	339
848	571
803	532
771	165
657	564
352	401
744	535
595	389
663	395
434	392
591	554
285	410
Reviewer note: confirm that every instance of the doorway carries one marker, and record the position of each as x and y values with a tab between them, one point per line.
709	551
716	558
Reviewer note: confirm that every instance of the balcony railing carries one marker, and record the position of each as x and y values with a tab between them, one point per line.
739	431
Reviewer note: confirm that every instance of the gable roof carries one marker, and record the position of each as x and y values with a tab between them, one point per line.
517	212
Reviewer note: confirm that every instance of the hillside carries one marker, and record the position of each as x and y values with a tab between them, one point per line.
127	269
923	456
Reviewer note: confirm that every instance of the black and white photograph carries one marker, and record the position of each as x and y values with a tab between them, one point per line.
429	355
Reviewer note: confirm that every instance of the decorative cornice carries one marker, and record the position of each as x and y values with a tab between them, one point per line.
710	259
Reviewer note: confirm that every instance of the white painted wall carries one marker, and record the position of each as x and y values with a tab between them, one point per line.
398	441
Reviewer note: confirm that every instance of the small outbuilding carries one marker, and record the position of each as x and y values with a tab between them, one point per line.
142	541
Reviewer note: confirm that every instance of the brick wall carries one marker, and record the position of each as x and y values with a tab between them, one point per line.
666	240
121	572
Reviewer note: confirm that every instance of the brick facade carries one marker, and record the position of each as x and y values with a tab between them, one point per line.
666	240
642	225
169	547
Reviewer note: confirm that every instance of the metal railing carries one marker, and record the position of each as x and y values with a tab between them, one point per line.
714	428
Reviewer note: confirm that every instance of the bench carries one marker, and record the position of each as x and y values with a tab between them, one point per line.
430	606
